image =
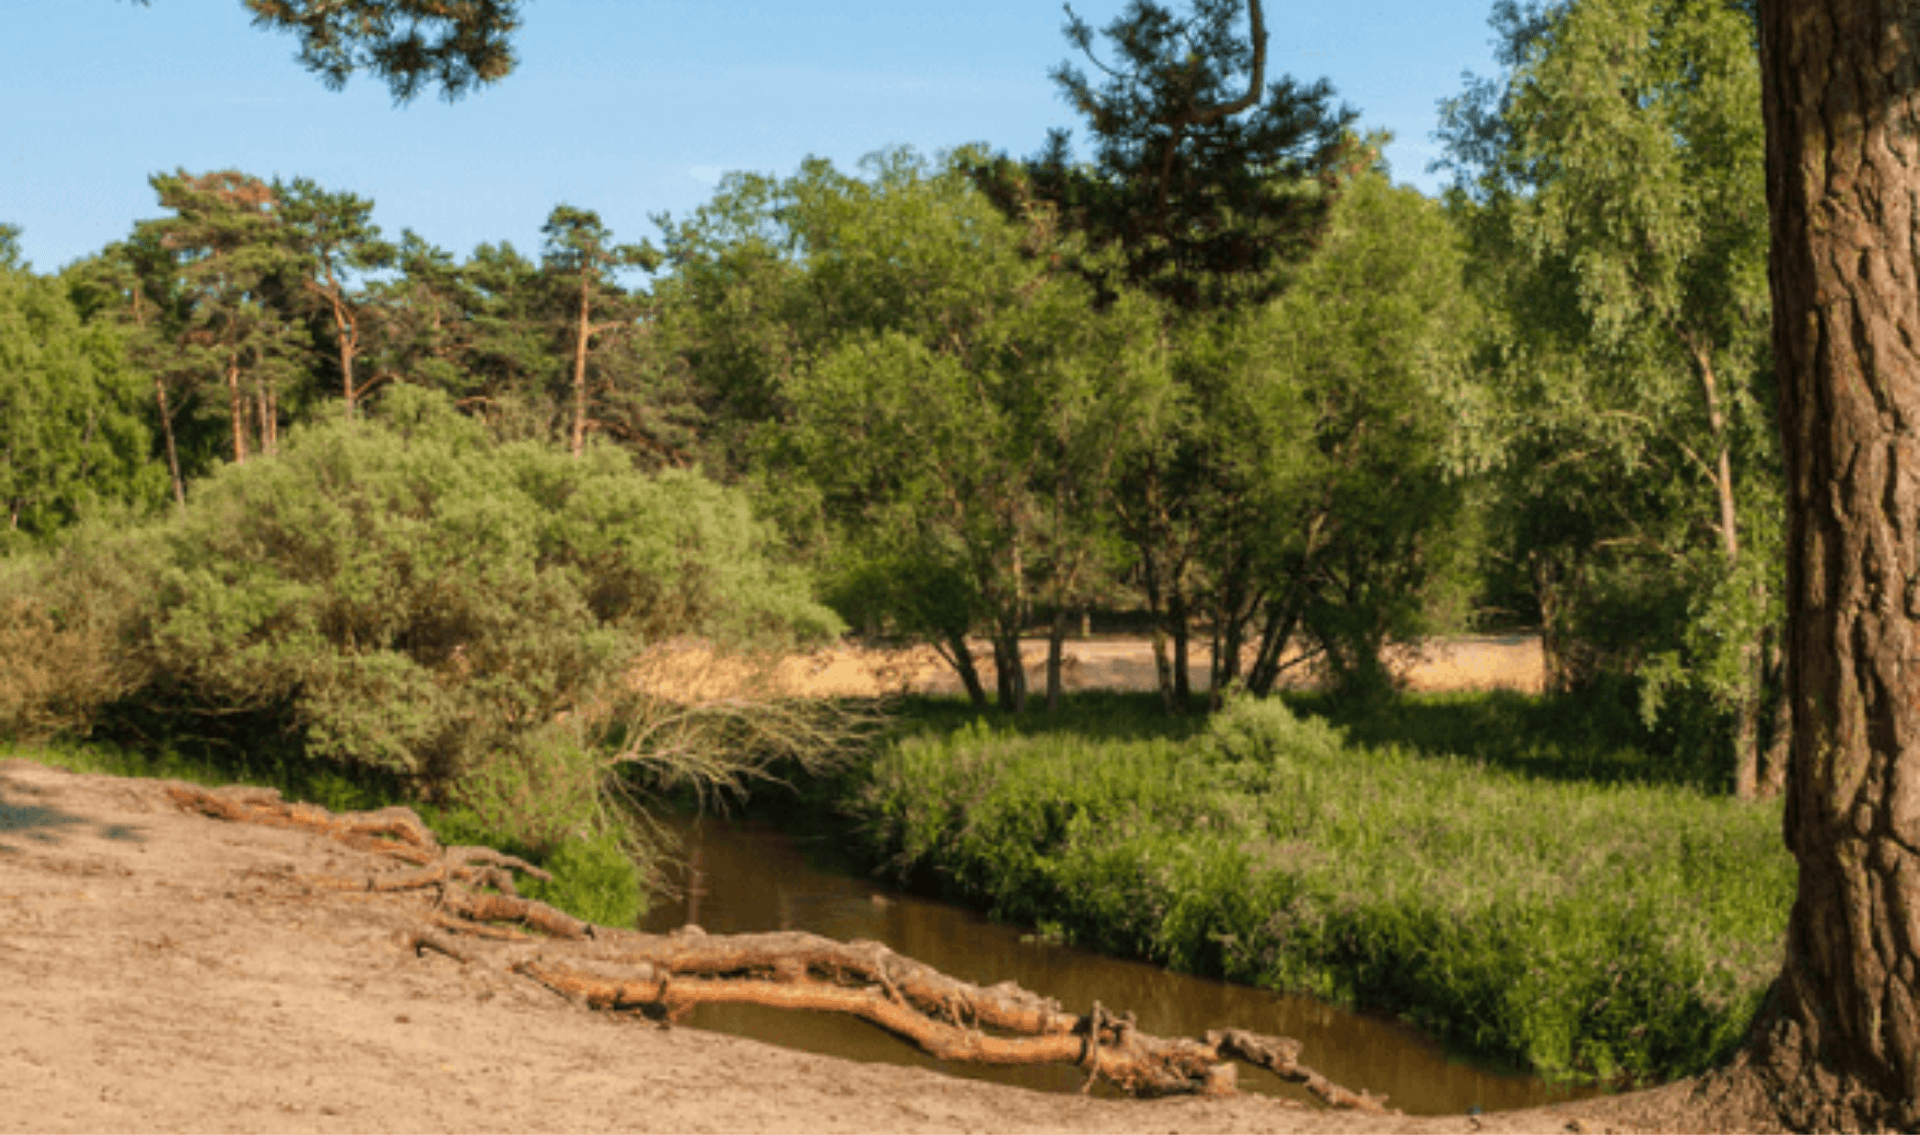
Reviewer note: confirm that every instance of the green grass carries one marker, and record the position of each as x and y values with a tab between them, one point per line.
1555	900
594	878
1591	738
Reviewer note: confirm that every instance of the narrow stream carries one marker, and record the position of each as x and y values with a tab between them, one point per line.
748	876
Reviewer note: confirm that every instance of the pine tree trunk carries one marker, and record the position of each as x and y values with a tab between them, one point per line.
1840	1040
349	345
579	431
238	405
346	332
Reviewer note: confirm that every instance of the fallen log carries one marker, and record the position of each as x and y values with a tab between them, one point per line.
479	919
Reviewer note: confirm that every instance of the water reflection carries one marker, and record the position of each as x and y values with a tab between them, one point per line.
746	876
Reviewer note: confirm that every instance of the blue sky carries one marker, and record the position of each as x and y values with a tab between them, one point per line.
627	107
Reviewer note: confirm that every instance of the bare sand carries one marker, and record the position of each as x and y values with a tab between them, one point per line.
692	669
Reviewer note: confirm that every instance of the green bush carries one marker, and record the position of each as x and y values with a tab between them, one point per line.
404	596
411	596
403	608
1599	930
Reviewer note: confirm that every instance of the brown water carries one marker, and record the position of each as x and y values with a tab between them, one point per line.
747	876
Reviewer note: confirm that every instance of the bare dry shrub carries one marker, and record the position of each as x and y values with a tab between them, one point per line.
720	747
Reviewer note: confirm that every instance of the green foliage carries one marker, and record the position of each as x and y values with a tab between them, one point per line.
594	879
220	293
1206	177
409	44
332	241
67	616
413	597
1593	736
1371	340
964	408
1579	929
402	596
73	431
1613	181
579	260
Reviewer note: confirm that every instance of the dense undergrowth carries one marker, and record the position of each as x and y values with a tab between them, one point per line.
1553	899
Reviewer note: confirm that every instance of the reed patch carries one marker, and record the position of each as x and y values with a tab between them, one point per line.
1619	930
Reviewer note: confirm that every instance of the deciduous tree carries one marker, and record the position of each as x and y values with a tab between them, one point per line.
1366	429
1613	180
967	420
72	428
1206	182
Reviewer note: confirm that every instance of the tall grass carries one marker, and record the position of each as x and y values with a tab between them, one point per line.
1613	930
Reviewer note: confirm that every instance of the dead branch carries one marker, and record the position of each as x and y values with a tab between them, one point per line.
668	975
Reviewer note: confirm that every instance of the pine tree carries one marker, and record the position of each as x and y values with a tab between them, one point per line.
232	275
330	237
580	260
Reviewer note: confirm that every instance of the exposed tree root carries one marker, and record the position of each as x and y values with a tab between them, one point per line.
389	831
667	975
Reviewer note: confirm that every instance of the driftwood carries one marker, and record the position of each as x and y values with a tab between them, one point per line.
478	918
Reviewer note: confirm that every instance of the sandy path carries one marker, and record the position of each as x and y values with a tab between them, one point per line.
690	669
165	971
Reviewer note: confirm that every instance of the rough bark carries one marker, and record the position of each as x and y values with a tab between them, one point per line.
1839	1044
346	332
666	976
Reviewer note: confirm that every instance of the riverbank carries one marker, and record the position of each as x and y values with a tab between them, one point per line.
1557	909
172	972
